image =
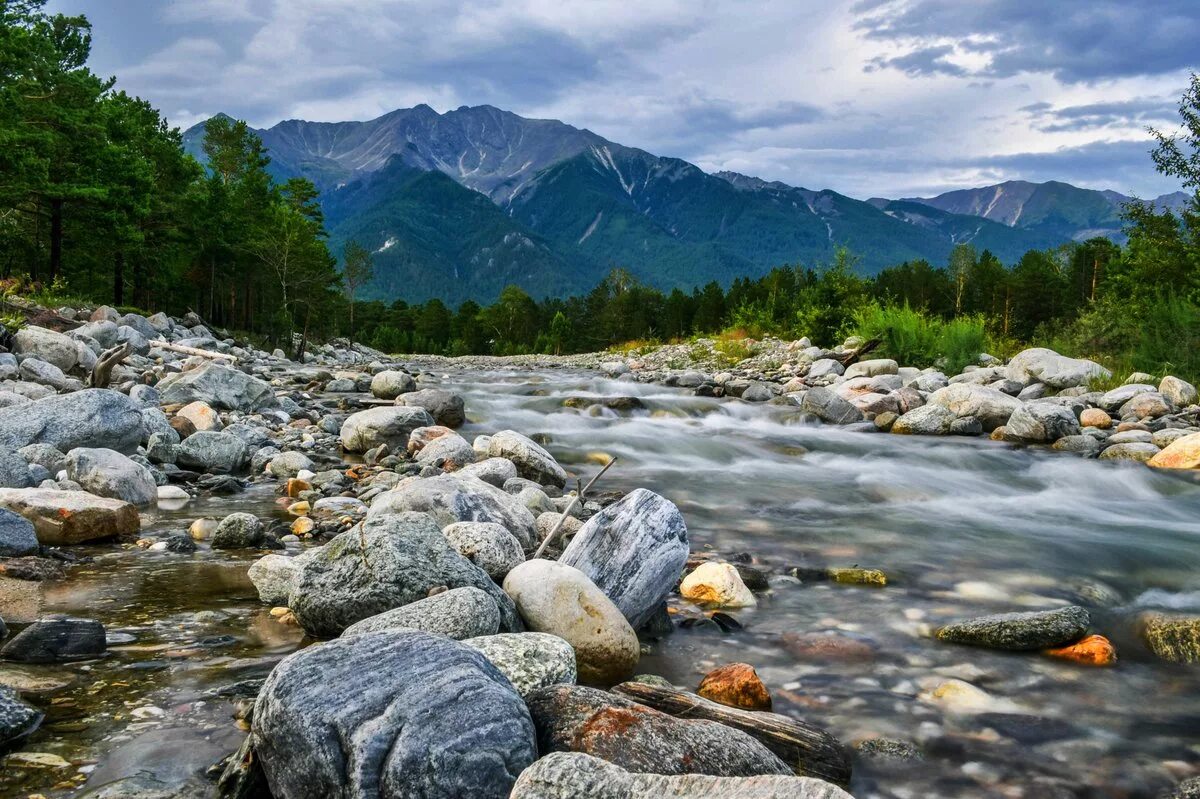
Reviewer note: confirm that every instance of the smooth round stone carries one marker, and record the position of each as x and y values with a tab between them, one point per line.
717	585
559	599
486	544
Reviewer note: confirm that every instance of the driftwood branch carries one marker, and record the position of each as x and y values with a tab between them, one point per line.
101	374
168	345
847	358
579	496
806	748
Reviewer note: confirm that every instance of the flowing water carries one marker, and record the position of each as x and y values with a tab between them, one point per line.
962	527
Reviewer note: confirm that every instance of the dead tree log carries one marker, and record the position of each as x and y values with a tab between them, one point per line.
806	748
173	347
101	374
847	358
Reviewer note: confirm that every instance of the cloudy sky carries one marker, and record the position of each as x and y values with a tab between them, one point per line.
869	97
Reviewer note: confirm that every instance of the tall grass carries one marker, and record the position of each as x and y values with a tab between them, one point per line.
912	338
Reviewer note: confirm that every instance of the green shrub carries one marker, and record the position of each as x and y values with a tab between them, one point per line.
961	341
1169	339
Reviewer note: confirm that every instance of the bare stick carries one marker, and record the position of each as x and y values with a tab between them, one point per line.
102	371
578	497
186	350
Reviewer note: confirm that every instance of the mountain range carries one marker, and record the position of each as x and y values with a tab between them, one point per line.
460	204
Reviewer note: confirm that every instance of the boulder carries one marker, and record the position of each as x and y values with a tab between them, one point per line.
634	551
17	536
94	417
826	367
108	473
47	345
216	453
56	639
220	386
452	498
1095	417
532	461
927	420
201	415
1020	631
387	425
458	613
559	599
289	464
38	371
449	452
1111	401
397	713
872	368
486	544
391	384
991	407
495	471
567	775
1136	452
239	531
572	718
17	719
14	471
273	575
1182	453
736	685
70	517
1172	638
392	560
529	660
447	408
1179	393
1057	371
826	405
1040	423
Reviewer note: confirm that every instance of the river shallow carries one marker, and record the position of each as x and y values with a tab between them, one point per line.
962	527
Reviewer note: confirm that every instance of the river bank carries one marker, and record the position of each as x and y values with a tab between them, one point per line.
845	557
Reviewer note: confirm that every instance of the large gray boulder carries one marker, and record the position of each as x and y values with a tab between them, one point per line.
451	498
1041	365
388	425
220	386
392	560
446	407
634	551
532	461
94	417
71	517
488	545
218	453
927	420
568	775
56	639
47	345
638	738
827	406
108	473
391	714
14	471
990	406
458	613
391	383
1041	423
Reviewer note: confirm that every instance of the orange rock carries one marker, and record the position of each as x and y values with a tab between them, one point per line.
736	685
295	486
1095	650
1095	417
1182	453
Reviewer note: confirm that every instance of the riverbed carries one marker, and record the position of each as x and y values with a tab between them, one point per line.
961	527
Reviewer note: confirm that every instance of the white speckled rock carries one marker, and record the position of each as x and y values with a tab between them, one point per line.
567	775
528	660
486	544
634	550
451	498
390	425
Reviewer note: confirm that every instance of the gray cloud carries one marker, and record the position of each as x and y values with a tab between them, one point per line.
1122	114
1074	40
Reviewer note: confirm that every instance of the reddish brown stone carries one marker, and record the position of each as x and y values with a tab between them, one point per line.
827	647
736	685
1095	650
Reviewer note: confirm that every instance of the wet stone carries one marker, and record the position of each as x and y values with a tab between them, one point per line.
56	639
1020	631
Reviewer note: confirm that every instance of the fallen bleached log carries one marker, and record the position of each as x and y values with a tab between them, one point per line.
167	345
